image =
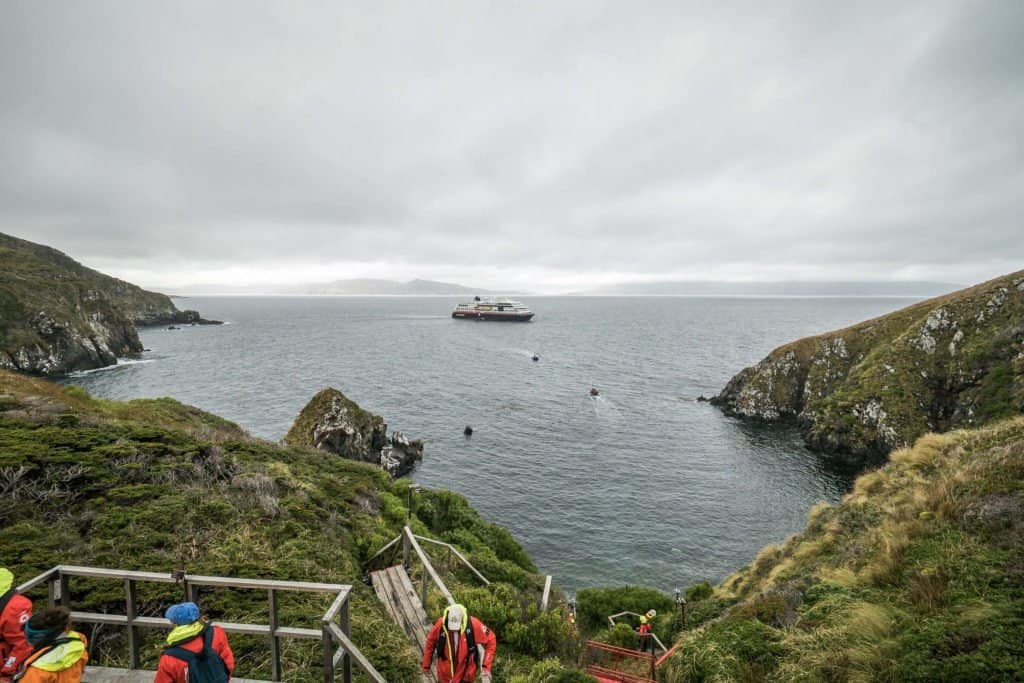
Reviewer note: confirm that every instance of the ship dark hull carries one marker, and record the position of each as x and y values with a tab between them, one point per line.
502	317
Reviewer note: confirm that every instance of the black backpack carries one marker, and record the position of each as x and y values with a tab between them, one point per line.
204	666
441	649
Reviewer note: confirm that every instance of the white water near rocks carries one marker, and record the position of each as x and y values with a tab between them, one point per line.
641	484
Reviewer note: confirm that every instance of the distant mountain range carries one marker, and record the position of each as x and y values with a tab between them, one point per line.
783	288
370	286
351	287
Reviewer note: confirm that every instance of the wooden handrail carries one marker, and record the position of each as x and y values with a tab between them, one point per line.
458	555
427	566
329	633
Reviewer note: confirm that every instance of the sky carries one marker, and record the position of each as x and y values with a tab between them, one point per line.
541	145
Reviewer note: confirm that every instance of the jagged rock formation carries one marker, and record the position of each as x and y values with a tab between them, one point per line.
58	316
952	361
335	423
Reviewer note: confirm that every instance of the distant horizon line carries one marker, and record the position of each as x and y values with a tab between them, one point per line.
558	295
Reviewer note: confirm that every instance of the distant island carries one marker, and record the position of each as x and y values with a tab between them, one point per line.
347	287
777	288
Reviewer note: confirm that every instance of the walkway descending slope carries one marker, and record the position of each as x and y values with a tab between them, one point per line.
395	590
103	674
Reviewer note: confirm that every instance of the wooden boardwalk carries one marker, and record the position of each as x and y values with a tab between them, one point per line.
395	590
102	674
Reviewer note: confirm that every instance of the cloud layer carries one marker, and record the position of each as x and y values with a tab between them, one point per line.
543	144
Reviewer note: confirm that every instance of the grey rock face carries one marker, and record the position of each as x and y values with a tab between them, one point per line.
340	426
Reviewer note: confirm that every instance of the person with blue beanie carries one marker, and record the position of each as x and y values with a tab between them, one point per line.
194	643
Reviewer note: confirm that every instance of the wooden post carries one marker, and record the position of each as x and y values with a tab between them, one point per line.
64	593
328	653
275	642
406	548
131	610
546	595
423	590
346	628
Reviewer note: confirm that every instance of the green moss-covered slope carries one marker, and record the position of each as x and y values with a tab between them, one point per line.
953	361
57	316
917	575
154	485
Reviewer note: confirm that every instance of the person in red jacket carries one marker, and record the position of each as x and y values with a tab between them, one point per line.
15	611
191	634
462	645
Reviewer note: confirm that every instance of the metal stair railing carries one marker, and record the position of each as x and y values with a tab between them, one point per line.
339	652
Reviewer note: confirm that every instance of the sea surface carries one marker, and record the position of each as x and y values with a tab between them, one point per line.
640	485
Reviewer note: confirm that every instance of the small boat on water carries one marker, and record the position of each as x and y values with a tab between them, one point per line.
493	309
594	392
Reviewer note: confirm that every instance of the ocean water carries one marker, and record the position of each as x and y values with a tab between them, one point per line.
642	484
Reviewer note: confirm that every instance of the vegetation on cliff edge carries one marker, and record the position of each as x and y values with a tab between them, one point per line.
952	361
917	575
154	484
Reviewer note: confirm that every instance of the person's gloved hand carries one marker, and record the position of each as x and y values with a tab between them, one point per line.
485	677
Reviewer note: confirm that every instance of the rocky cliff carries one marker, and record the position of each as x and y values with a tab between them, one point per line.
952	361
333	422
58	316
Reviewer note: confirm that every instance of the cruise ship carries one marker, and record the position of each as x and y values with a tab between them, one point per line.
493	309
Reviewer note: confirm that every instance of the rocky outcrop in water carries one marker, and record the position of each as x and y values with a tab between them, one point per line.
58	316
333	422
953	361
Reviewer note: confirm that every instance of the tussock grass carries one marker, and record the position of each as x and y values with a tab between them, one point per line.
917	575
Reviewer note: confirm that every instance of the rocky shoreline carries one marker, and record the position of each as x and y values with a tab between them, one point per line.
59	316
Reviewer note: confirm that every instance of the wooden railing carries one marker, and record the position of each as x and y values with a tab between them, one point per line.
410	545
338	650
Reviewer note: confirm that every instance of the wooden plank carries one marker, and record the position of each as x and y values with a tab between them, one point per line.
419	612
410	615
411	612
392	599
103	674
394	588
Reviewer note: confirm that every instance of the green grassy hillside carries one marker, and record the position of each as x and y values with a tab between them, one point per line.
917	575
154	484
953	361
56	315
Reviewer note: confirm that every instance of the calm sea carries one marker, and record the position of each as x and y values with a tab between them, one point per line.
642	484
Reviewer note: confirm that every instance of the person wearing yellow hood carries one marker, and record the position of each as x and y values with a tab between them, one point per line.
15	610
58	655
462	646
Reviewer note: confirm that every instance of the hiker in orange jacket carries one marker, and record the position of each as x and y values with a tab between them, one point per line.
643	633
15	611
58	653
191	636
462	645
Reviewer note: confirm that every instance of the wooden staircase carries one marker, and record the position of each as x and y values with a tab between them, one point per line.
394	588
103	674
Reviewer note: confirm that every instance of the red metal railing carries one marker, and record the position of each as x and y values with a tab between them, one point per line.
612	664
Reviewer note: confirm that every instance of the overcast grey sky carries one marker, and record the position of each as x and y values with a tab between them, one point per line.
549	145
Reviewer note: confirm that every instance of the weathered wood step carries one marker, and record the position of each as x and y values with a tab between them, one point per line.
395	590
103	674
